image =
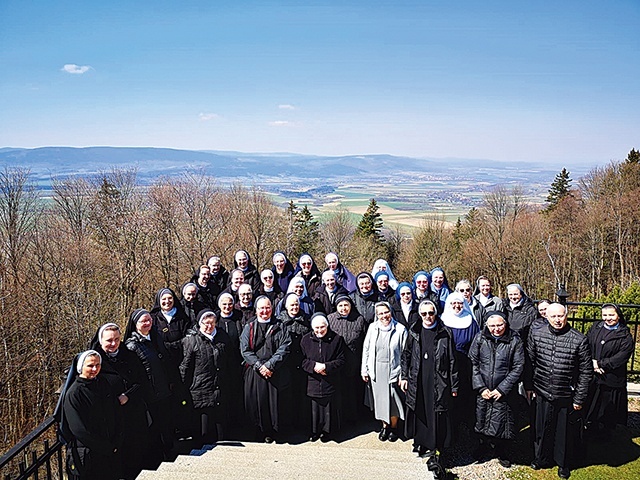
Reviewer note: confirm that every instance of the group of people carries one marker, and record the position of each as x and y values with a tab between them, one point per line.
255	355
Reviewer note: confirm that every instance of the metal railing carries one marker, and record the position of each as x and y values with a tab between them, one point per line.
35	456
581	319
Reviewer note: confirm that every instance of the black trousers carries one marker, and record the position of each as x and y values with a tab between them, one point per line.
555	428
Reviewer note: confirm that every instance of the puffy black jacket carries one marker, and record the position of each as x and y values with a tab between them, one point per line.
497	365
561	362
446	374
612	355
324	303
204	368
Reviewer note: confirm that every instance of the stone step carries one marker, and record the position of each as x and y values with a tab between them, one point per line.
308	461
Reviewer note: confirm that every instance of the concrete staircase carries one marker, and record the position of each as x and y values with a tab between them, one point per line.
362	457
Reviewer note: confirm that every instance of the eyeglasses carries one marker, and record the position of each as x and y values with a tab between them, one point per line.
267	278
464	290
428	313
500	325
405	293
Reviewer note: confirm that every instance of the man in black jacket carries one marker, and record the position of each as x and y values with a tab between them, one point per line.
562	370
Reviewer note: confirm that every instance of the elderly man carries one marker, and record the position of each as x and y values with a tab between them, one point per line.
562	369
324	298
265	345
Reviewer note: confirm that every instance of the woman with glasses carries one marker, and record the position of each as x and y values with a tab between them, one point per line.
459	318
381	368
497	356
405	308
464	287
429	377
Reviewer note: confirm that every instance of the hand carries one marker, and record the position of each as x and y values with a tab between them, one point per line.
495	394
404	385
577	407
454	394
486	394
122	398
320	368
365	378
265	372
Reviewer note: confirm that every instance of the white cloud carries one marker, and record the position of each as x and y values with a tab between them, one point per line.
286	106
205	117
281	123
76	69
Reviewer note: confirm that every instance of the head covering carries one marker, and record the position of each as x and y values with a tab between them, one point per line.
187	285
319	316
519	287
402	285
295	281
374	285
64	432
421	273
444	292
452	319
97	337
393	283
205	313
249	264
344	297
621	318
83	356
156	302
133	320
314	267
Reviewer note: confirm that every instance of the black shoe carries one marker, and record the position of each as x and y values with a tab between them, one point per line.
504	462
425	453
268	439
325	437
314	437
384	434
564	472
416	449
392	436
535	466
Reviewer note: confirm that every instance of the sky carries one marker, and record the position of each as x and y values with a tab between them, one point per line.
555	82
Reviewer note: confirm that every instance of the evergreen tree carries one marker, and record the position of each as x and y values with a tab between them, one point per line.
559	189
307	232
633	156
370	227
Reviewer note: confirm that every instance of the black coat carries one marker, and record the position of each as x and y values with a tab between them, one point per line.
192	308
221	279
272	352
204	368
561	363
330	350
156	360
521	316
324	303
366	305
446	374
172	333
398	314
497	365
612	355
93	417
353	329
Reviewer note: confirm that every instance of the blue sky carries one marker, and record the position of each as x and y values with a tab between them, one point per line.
548	81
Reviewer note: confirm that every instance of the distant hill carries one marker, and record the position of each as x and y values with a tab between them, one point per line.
151	163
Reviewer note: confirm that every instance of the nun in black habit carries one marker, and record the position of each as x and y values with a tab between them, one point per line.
89	421
126	377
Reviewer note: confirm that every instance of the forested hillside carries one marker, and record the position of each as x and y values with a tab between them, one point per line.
102	246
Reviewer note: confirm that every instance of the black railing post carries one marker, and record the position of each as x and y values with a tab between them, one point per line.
562	294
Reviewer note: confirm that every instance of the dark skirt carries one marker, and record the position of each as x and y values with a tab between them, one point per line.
261	399
607	406
325	414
